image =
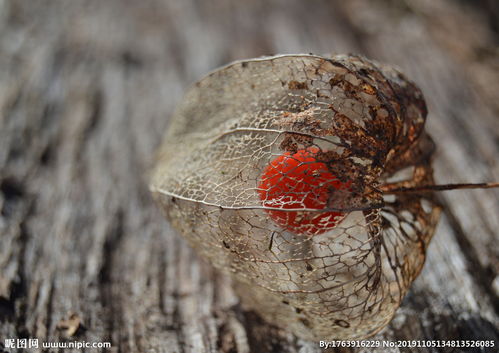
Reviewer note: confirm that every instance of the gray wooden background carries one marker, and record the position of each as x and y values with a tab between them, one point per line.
86	89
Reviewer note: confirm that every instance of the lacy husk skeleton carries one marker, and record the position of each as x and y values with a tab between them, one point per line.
365	123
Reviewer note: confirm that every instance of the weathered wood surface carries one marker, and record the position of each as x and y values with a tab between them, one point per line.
86	88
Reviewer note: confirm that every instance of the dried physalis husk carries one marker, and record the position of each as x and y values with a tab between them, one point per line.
278	170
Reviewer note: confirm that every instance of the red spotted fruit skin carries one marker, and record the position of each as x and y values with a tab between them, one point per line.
300	181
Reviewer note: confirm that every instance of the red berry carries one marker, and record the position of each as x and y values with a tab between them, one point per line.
300	181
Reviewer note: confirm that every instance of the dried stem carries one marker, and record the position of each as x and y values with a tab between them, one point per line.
428	188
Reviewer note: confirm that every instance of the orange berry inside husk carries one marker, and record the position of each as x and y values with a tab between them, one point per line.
298	181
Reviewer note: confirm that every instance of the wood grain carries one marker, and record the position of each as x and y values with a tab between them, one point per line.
86	89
